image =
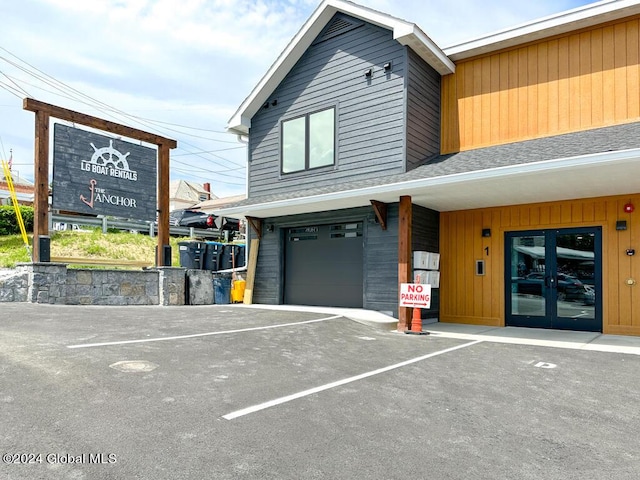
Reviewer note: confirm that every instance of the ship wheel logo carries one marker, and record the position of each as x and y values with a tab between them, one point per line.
109	156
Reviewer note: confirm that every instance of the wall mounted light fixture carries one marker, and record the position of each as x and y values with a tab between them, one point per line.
368	72
387	67
621	225
486	232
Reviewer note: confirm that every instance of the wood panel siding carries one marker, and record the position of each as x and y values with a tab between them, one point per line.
575	82
370	113
468	298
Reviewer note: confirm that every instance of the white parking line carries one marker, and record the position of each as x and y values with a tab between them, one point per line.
224	332
311	391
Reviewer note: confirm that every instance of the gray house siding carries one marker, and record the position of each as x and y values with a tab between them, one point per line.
380	255
425	237
380	261
370	113
423	111
381	265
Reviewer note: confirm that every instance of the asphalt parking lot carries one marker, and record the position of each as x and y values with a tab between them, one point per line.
222	392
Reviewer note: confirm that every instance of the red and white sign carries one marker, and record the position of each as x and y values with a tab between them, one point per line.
415	295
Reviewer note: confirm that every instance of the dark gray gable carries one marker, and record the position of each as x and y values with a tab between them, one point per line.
340	24
370	112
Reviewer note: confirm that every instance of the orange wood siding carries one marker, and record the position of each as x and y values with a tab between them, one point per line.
575	82
468	298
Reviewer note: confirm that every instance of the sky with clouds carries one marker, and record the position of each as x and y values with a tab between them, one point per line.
180	69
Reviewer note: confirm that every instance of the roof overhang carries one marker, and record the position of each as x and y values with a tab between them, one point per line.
557	24
405	33
20	196
588	176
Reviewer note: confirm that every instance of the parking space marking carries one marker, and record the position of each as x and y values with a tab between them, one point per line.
223	332
311	391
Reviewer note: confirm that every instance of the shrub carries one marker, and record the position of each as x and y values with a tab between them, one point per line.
9	222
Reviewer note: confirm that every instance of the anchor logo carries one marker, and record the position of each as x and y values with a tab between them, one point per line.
92	187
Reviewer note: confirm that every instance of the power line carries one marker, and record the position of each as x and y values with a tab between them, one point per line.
208	151
99	105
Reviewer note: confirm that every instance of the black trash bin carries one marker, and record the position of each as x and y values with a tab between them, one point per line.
240	256
232	256
212	256
191	254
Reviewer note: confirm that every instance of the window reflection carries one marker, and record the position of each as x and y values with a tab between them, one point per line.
293	135
309	141
528	276
321	137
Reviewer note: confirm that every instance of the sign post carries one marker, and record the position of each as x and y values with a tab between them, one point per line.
416	296
102	172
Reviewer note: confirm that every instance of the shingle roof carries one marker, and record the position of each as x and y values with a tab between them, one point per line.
601	140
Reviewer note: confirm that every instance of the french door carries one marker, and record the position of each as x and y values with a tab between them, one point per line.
553	279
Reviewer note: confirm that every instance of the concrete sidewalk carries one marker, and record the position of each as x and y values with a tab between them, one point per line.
593	341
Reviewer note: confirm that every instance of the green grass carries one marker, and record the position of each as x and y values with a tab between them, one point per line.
90	244
12	251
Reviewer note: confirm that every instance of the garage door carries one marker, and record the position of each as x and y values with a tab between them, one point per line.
323	265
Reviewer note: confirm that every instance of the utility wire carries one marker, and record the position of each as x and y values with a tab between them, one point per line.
11	90
14	83
102	106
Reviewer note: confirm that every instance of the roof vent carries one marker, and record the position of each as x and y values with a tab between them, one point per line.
337	26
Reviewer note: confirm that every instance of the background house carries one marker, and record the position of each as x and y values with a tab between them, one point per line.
514	156
183	194
23	187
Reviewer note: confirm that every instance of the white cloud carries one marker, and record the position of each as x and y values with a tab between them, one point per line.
188	62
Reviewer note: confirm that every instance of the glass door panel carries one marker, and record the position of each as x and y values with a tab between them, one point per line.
527	265
576	273
553	279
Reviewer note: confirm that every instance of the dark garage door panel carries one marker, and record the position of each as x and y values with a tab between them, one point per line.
323	265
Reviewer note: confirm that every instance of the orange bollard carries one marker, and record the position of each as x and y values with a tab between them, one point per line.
416	321
416	324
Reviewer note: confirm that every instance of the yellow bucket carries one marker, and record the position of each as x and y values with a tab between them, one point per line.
237	291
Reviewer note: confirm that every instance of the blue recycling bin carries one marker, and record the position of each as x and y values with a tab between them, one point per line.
222	290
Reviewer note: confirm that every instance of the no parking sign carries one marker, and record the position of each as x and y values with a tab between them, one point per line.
415	295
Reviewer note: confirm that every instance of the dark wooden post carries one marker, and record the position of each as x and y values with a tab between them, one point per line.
43	112
163	203
41	177
404	257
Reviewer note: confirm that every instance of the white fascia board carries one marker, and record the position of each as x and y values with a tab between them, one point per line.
426	48
404	32
241	120
453	180
560	23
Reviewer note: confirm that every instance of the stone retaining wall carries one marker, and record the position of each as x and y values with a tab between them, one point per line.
54	283
14	285
112	287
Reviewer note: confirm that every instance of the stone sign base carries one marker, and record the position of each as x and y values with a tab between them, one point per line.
54	283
